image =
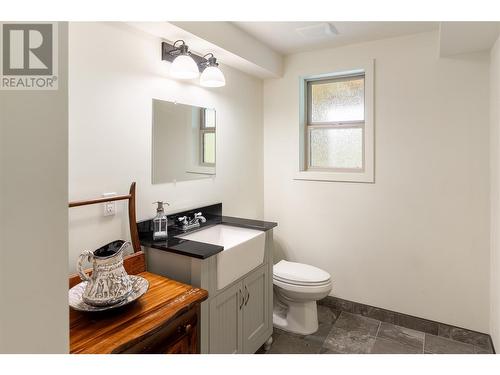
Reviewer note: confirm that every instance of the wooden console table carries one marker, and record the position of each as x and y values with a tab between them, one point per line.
164	320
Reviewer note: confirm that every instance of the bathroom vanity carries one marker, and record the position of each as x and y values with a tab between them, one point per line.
229	257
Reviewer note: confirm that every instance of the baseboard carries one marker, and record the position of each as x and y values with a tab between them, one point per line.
465	335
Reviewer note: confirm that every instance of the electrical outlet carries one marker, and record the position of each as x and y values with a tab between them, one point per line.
109	207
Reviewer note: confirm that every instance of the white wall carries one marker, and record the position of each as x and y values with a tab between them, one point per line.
495	193
34	216
115	73
417	240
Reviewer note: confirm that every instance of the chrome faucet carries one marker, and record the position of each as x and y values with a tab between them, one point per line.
194	222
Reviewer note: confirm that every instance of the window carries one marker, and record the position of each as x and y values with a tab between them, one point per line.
207	137
336	117
337	127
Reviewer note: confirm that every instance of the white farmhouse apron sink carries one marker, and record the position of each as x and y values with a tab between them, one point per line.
243	250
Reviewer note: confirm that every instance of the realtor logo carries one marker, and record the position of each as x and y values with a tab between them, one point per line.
29	56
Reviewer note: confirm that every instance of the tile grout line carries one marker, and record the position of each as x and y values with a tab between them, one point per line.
376	336
378	328
423	343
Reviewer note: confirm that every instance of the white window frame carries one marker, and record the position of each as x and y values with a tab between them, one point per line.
366	174
203	131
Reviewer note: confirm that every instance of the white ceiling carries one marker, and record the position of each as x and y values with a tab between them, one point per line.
257	48
464	37
284	38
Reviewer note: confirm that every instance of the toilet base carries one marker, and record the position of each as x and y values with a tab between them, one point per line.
296	317
268	343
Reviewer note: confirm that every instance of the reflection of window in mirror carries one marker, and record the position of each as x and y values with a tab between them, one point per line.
207	137
183	146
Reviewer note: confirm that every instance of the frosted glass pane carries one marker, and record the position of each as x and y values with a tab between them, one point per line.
209	118
338	101
209	148
336	148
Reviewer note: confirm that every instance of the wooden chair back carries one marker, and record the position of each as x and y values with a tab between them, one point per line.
133	263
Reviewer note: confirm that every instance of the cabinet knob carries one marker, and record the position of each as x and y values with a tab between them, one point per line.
187	328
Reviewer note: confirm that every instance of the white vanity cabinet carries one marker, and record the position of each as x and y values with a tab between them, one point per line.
240	318
257	309
225	324
234	319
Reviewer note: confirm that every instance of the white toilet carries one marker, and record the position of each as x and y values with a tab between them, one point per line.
297	287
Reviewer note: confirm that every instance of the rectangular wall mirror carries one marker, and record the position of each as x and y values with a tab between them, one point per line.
183	142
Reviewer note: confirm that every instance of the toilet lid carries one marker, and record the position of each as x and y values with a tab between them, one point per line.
299	273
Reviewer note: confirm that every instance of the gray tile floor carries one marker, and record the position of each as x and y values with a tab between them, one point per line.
345	333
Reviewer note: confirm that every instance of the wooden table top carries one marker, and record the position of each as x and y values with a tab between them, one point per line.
94	333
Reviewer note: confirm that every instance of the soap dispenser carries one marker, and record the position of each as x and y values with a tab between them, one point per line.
160	222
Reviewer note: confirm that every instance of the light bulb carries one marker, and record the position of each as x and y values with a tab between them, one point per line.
184	67
212	76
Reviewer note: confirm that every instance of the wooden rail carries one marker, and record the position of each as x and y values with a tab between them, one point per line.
99	200
134	234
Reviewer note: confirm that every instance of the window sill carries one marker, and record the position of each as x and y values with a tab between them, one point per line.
335	176
201	170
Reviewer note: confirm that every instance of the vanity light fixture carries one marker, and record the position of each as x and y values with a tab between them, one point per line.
212	76
186	65
183	66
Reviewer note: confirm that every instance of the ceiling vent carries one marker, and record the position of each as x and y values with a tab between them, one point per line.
320	30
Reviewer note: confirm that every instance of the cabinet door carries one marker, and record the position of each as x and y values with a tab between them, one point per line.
225	321
188	342
182	346
256	318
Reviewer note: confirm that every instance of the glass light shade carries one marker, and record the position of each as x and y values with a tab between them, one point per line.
184	67
212	76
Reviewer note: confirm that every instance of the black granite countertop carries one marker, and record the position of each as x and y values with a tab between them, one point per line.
248	223
200	250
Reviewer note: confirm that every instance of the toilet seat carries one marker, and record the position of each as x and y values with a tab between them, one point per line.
291	282
306	290
299	274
